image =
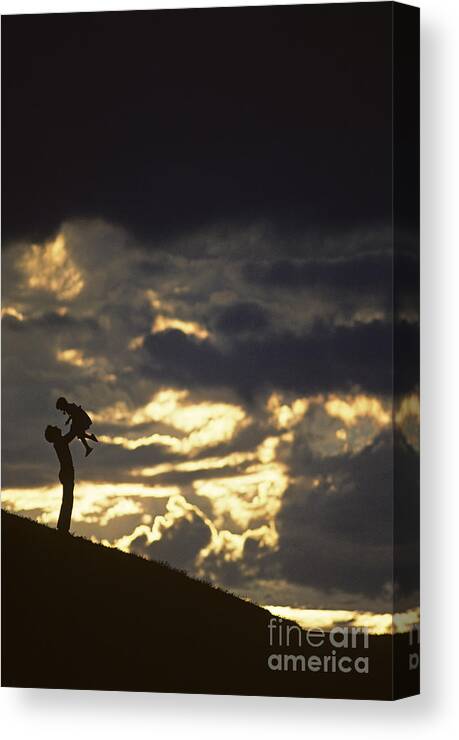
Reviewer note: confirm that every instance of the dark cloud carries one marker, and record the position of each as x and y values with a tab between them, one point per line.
179	545
367	273
179	123
326	359
152	267
339	534
370	273
242	317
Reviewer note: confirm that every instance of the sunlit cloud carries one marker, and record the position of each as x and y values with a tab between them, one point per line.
164	406
327	619
205	423
312	618
136	343
352	408
157	302
74	357
51	268
165	440
406	621
98	367
117	413
250	500
349	409
409	406
14	312
164	320
163	323
251	496
230	545
245	502
407	418
120	507
362	417
177	507
93	501
286	415
191	466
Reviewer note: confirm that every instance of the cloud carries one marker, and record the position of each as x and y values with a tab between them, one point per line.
327	359
177	537
232	149
179	545
367	272
336	532
242	317
51	269
244	398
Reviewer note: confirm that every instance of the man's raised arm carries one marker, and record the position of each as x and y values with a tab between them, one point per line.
69	437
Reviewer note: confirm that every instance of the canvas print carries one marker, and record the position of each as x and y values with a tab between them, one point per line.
210	351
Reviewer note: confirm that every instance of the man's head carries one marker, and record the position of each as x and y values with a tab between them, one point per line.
62	403
52	434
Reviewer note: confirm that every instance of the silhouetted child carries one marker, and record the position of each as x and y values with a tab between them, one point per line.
81	422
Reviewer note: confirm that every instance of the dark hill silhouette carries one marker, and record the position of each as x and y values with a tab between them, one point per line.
83	616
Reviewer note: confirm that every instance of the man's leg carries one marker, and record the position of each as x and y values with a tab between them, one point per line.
65	514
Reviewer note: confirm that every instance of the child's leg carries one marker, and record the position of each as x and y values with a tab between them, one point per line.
91	436
84	443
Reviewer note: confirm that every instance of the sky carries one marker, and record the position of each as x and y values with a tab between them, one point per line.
198	248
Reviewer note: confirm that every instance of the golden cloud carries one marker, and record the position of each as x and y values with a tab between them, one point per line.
14	312
94	502
98	367
163	323
245	499
352	408
230	545
135	343
250	497
74	357
205	423
177	507
189	466
285	415
51	268
407	418
251	500
326	619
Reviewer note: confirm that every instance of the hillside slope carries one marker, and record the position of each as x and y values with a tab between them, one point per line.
79	615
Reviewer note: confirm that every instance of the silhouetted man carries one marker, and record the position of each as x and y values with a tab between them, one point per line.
66	472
